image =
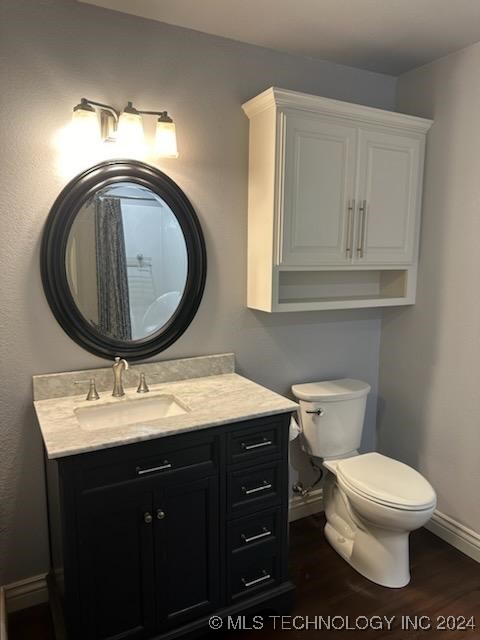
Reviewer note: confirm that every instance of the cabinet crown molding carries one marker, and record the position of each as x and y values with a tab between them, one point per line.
275	97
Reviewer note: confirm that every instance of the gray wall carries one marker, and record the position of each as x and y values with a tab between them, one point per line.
430	353
53	52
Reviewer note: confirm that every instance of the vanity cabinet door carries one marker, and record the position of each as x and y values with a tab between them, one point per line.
115	534
187	552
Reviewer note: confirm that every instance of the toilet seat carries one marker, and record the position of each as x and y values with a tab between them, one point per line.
386	482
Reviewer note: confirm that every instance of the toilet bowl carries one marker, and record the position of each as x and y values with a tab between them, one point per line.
372	502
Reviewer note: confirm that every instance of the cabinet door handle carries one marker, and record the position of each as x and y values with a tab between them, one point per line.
166	465
265	533
362	210
257	445
350	211
266	485
251	583
147	518
161	514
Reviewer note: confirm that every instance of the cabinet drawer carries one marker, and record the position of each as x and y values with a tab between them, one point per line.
254	442
254	488
174	460
247	533
252	572
200	458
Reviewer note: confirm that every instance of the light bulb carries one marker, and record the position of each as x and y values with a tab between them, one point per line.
166	139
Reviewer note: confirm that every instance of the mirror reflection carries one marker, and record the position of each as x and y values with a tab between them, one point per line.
126	261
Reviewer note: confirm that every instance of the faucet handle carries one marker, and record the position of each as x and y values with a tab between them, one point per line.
92	391
142	385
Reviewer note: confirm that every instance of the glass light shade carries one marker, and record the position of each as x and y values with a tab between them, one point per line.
166	140
130	134
85	128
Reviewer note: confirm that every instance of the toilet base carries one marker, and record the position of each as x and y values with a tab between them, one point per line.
378	554
384	564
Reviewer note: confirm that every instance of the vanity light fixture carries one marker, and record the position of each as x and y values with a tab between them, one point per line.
126	127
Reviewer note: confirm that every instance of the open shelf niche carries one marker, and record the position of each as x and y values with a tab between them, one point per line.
309	290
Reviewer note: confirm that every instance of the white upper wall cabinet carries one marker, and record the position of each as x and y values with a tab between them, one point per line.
334	203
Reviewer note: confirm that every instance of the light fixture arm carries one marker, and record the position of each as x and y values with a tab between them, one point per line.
163	115
113	111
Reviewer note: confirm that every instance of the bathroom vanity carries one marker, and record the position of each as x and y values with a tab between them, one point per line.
157	525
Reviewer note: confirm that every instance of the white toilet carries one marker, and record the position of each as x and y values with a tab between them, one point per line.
372	502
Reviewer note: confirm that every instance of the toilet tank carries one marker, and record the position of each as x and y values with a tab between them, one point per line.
331	416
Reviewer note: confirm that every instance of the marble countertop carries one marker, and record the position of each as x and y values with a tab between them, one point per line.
211	401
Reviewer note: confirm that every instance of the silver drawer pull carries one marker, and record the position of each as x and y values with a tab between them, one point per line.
166	465
266	485
266	532
250	583
264	443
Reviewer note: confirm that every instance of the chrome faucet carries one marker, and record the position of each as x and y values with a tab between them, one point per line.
119	366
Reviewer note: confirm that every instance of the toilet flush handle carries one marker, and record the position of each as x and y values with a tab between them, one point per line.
317	412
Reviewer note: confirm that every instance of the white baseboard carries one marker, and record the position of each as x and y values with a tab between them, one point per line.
302	507
3	615
26	593
462	538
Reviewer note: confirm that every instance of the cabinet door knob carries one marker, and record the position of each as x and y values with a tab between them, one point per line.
161	514
147	517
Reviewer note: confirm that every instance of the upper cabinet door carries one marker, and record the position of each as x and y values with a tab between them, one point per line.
388	194
319	181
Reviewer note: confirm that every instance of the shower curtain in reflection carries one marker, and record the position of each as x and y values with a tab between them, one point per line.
112	278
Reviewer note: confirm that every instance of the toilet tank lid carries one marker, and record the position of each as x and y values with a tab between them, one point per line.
331	390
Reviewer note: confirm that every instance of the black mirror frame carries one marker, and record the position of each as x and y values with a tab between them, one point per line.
53	253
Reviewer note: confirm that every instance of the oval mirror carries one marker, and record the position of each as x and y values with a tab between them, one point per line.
123	260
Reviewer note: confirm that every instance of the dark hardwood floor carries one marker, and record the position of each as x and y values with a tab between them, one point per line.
444	583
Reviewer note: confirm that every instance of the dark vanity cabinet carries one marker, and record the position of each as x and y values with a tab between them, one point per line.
137	562
150	539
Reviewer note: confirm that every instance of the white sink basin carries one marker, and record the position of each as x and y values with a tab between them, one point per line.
125	411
